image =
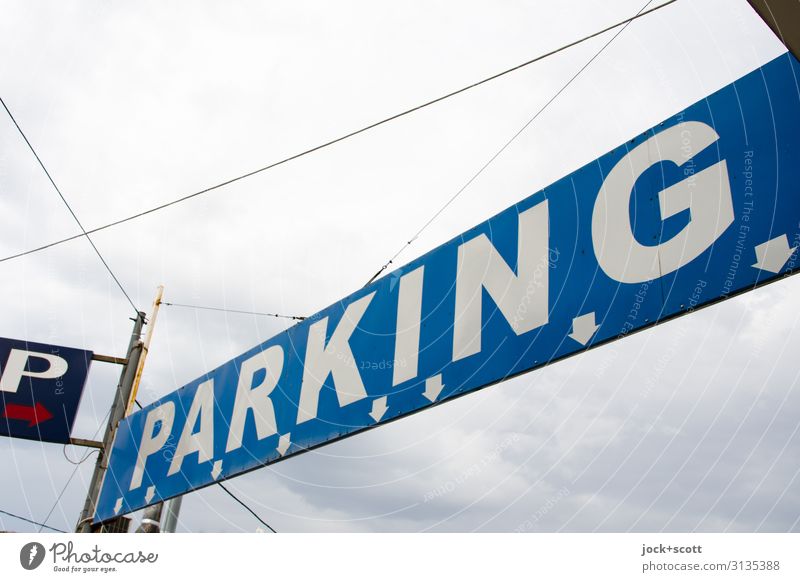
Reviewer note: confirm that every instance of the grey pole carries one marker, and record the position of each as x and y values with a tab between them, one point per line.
173	510
84	524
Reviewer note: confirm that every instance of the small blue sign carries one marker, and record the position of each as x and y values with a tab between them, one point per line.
703	206
40	389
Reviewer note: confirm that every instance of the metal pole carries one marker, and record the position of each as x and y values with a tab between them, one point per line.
151	519
121	398
173	510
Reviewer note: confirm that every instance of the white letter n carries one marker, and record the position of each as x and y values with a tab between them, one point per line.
521	298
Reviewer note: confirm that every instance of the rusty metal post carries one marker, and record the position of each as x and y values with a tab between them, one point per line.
123	405
118	407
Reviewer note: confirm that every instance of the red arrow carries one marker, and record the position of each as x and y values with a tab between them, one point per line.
33	414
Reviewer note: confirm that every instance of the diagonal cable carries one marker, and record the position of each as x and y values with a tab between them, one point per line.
513	138
206	308
64	200
343	137
243	504
41	525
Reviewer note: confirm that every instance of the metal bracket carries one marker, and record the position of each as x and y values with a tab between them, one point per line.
109	359
86	443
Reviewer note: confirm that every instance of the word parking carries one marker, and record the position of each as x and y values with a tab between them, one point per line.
694	210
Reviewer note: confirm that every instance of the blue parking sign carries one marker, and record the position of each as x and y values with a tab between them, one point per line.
40	389
702	206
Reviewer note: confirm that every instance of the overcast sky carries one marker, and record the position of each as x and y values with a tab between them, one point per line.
692	425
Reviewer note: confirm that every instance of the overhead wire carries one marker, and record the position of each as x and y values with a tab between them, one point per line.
60	495
64	200
41	525
243	504
341	138
505	146
206	308
72	476
83	460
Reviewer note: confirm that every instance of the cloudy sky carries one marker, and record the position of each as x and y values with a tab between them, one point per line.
688	426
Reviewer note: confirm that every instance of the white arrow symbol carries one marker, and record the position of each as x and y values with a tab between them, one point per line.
118	505
216	470
773	254
583	328
433	387
283	443
378	408
151	491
